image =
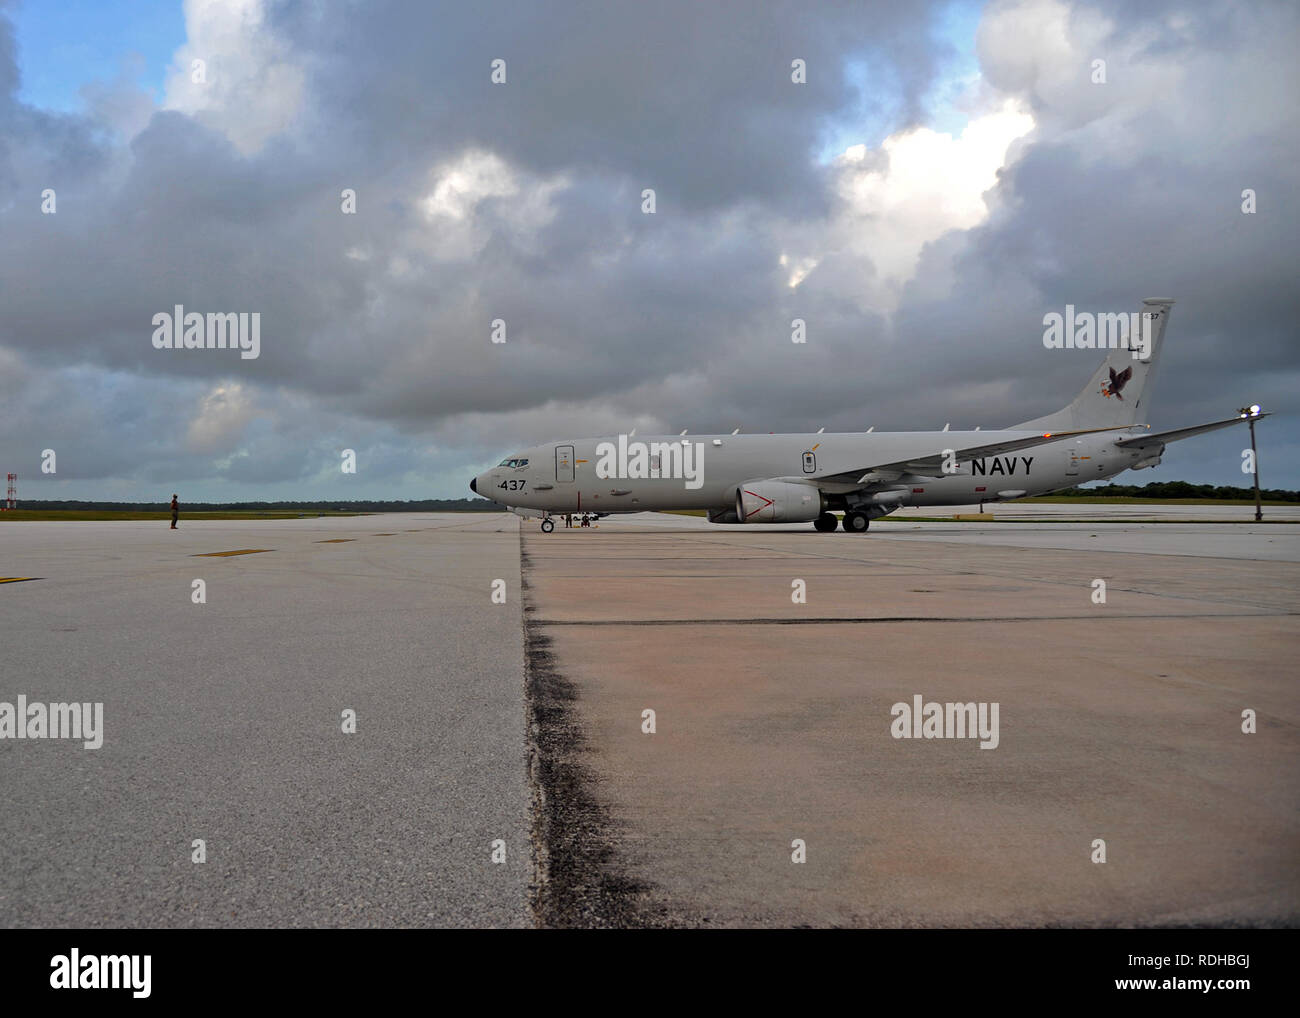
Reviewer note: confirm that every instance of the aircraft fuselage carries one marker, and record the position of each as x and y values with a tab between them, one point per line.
648	473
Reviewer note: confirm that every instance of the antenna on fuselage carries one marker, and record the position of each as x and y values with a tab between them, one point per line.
820	430
736	432
682	435
871	429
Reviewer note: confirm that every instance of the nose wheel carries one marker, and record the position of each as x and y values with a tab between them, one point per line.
548	525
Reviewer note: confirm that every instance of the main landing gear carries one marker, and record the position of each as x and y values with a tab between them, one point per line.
856	522
825	523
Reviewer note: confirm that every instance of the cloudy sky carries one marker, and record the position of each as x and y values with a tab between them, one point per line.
947	174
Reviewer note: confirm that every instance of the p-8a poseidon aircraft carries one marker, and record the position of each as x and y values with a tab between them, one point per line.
744	479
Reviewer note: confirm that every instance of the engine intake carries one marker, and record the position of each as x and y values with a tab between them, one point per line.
777	502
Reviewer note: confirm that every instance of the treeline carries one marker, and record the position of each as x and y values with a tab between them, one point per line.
1181	489
424	505
1157	489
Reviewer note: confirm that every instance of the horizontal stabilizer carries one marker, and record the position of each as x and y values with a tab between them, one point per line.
1164	437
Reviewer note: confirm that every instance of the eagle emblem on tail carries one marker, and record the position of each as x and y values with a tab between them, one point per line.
1118	379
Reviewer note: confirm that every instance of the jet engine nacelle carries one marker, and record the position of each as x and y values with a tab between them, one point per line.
778	502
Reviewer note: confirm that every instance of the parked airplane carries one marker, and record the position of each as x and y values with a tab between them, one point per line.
805	478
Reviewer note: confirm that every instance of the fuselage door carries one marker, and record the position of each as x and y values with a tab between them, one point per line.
1072	465
564	463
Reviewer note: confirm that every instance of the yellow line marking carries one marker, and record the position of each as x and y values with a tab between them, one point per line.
223	554
337	540
17	579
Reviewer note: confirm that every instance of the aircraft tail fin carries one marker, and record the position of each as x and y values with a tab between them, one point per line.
1119	393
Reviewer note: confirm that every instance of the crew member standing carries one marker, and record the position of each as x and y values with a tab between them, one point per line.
176	511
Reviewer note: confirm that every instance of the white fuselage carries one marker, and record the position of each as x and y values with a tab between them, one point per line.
562	477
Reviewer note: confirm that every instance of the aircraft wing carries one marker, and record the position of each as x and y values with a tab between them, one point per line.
1163	437
932	465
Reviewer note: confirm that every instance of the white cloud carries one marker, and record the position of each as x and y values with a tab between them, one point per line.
252	90
222	416
1044	51
454	206
926	184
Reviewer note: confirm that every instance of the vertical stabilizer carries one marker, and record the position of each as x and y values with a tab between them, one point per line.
1120	391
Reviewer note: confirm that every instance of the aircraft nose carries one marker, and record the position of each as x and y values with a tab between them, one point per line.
473	485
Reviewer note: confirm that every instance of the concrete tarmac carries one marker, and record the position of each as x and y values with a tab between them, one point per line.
223	722
1115	511
1118	722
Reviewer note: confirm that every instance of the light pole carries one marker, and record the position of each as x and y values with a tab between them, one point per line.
1250	413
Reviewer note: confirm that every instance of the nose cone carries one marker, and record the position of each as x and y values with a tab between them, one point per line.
473	486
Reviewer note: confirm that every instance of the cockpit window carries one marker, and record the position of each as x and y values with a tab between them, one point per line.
513	462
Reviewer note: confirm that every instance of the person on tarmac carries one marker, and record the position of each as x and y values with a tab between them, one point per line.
176	511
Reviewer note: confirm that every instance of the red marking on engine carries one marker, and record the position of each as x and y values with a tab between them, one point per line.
766	502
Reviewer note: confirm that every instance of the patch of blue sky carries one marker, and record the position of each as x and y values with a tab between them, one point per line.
879	109
63	45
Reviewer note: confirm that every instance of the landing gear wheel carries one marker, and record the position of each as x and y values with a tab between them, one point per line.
825	523
547	526
856	522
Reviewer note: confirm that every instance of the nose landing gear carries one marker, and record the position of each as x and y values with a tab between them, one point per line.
548	525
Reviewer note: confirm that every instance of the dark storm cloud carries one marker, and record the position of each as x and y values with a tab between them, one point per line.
694	99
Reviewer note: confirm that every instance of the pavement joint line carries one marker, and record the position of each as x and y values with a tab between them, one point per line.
911	535
580	876
902	618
